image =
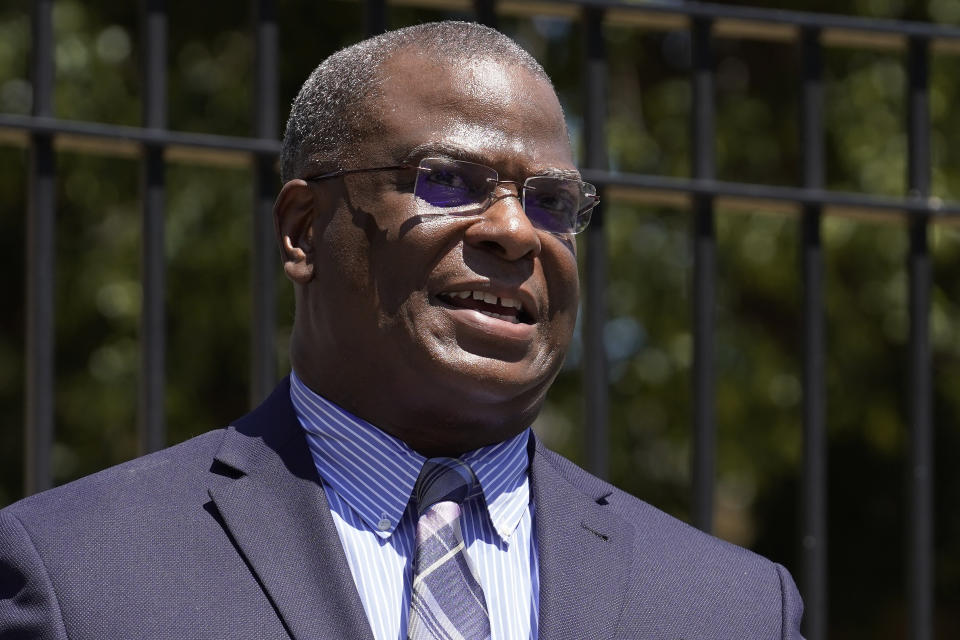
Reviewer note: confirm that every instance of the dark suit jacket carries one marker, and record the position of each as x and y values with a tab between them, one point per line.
228	536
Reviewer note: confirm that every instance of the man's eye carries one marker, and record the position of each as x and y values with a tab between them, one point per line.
559	201
448	179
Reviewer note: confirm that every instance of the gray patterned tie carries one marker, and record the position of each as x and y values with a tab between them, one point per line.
446	601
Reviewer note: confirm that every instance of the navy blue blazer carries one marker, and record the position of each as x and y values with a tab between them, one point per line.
229	536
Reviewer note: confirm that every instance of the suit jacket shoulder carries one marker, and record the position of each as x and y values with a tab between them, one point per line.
224	536
670	579
119	553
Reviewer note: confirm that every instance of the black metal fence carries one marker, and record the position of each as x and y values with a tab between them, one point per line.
808	32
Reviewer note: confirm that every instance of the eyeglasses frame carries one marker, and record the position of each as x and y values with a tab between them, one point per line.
593	198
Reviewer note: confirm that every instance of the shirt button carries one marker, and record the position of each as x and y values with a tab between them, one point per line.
383	525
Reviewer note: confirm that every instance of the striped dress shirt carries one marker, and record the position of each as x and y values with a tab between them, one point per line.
368	478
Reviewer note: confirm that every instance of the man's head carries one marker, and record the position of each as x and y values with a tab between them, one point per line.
332	111
388	324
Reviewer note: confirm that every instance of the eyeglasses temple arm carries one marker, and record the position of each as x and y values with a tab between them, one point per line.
344	172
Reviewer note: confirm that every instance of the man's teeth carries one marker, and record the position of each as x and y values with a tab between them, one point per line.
513	319
489	298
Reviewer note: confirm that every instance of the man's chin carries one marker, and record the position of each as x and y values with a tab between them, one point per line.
478	369
488	377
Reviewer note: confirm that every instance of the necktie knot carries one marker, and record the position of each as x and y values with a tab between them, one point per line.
444	480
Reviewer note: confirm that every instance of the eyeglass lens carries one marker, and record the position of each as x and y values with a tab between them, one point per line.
552	204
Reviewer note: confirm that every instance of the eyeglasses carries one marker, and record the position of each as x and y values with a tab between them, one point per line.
459	188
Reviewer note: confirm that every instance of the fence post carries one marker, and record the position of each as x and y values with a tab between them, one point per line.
920	481
704	276
152	413
375	17
595	354
38	409
486	12
263	362
814	510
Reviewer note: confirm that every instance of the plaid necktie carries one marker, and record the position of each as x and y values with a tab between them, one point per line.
446	601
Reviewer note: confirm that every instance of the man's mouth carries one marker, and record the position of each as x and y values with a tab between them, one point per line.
508	309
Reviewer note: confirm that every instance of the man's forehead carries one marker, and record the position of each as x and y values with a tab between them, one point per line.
486	77
478	83
479	110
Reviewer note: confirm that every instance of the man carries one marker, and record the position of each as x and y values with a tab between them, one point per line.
426	222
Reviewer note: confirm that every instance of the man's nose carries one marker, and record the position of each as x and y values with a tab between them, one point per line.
504	228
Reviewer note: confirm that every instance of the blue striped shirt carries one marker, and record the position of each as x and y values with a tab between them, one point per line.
368	478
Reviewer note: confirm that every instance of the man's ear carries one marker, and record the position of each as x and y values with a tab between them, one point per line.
293	216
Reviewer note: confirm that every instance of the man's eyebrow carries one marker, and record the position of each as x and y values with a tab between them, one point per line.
569	174
417	153
428	149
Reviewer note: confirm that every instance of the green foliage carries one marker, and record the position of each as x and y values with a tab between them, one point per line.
648	332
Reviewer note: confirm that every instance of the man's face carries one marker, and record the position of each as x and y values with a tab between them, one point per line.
393	331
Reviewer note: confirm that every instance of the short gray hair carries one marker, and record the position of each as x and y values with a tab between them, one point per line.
331	112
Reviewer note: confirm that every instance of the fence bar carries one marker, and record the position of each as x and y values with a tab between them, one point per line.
704	276
152	420
595	355
263	321
376	16
38	409
485	11
860	203
814	501
774	16
161	137
920	481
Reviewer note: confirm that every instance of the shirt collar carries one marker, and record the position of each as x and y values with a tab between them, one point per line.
374	472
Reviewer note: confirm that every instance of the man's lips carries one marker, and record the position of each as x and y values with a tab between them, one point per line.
504	308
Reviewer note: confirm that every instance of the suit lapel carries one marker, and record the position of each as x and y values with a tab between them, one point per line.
277	515
584	553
